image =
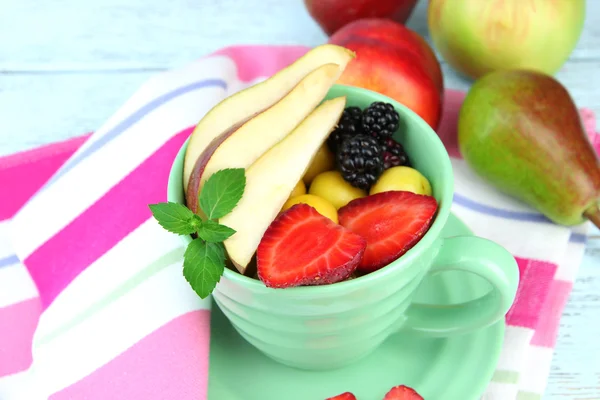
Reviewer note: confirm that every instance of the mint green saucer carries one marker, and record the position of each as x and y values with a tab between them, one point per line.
457	368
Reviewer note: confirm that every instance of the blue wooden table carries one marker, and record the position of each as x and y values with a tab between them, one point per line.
65	66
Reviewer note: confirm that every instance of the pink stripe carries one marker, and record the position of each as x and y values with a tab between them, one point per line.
24	173
170	363
17	325
547	329
535	280
272	59
121	210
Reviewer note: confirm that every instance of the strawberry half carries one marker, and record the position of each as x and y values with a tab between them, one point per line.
302	247
391	222
402	393
343	396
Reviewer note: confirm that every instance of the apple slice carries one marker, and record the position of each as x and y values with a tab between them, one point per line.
271	179
240	146
251	101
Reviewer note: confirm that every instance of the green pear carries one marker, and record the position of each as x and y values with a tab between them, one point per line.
521	131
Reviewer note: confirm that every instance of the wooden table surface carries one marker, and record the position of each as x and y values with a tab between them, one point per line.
65	66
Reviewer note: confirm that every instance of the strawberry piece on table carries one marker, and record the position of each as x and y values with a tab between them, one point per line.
391	222
302	247
402	393
343	396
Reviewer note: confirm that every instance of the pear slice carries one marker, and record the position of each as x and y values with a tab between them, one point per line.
271	179
240	146
242	105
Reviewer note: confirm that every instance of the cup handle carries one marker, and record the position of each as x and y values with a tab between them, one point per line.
478	256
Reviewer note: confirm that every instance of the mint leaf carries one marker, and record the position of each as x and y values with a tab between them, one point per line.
175	218
212	231
222	191
203	265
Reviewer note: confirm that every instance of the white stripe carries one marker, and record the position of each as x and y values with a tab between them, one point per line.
516	342
568	267
16	285
5	246
93	177
234	85
534	240
161	84
582	229
19	387
126	259
91	344
500	391
534	376
468	184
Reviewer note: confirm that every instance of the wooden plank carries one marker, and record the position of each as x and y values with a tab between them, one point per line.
575	372
39	108
113	34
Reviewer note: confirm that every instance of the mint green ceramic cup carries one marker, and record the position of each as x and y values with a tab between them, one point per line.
330	326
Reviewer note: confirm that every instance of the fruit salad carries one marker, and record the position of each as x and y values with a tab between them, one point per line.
294	190
359	207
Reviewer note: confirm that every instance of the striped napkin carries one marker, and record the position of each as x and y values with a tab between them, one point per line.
93	304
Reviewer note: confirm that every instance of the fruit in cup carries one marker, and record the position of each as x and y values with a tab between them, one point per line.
395	61
521	131
402	179
323	161
477	37
391	222
402	392
242	145
332	187
322	206
360	160
331	15
271	178
343	396
302	247
298	190
241	106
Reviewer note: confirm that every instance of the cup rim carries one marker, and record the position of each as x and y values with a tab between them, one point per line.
407	258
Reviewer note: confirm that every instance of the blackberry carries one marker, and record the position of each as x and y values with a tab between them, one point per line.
348	125
380	120
360	160
393	154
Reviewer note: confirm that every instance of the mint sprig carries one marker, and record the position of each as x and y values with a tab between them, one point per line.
176	218
203	265
221	192
204	257
212	231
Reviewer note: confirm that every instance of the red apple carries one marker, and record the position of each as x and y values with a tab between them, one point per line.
394	61
332	15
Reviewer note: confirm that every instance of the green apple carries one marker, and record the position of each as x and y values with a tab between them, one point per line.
480	36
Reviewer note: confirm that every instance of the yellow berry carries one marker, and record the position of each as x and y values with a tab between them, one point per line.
323	161
402	178
322	206
298	190
331	186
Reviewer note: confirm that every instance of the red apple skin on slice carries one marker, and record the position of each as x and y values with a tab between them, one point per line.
240	106
193	189
240	147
